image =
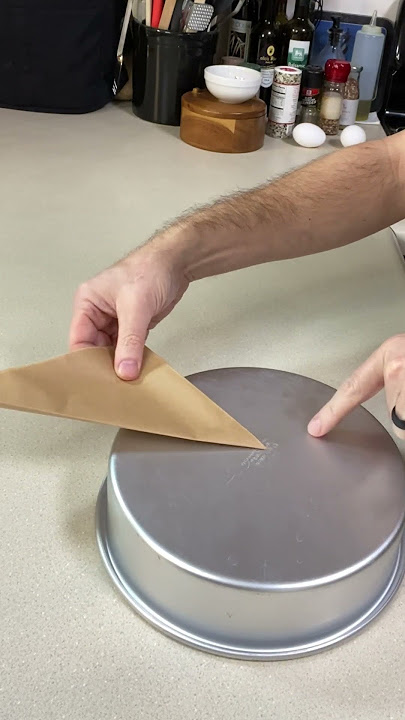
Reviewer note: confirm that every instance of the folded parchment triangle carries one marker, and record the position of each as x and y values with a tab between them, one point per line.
83	385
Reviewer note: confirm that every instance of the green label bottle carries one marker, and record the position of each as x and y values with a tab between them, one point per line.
297	35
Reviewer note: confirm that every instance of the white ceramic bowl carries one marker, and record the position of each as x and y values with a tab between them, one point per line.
232	84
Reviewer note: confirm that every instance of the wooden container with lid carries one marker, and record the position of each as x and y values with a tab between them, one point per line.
209	124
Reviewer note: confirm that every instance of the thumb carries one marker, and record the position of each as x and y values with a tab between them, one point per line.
134	315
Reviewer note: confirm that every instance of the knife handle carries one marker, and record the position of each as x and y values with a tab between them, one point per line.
157	8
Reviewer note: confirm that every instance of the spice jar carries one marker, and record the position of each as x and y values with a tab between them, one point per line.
351	98
336	74
310	96
283	102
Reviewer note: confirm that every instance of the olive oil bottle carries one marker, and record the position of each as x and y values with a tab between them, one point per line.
265	48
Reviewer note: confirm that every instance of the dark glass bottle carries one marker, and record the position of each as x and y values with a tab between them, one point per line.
281	14
265	48
241	29
297	36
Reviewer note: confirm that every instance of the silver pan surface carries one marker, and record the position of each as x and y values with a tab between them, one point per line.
257	554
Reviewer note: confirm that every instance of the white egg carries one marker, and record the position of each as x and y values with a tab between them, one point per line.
308	135
352	135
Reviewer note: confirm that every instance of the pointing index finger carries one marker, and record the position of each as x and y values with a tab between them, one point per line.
365	382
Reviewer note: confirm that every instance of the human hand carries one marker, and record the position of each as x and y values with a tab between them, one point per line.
384	368
120	305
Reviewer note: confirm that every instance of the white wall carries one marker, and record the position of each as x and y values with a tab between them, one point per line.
386	8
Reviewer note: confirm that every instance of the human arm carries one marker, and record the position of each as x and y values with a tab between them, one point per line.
331	202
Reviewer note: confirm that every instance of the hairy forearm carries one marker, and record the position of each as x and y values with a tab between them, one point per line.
334	201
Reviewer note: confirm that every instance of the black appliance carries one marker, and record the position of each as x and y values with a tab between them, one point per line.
392	116
58	56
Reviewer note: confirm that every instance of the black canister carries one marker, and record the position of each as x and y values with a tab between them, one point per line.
310	94
167	65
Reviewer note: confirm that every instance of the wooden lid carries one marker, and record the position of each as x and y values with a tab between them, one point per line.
203	103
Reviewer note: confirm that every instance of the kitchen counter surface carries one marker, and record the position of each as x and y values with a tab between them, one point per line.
76	194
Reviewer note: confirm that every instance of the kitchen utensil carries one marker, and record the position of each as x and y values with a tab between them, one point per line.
223	13
232	84
125	95
197	17
258	555
121	75
208	124
157	8
167	14
148	13
177	15
139	10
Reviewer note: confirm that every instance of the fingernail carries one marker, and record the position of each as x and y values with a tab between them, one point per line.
128	369
314	427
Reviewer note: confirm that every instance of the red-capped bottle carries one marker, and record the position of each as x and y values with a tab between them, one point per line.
336	74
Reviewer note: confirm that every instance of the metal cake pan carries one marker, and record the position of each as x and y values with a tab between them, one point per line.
257	554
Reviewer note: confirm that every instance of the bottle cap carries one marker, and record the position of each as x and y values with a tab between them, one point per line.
312	76
372	28
337	70
335	32
357	69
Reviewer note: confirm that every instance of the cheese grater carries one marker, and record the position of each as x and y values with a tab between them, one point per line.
197	17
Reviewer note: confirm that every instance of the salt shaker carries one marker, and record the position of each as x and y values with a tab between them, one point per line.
336	74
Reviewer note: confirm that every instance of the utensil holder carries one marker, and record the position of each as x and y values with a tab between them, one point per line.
165	66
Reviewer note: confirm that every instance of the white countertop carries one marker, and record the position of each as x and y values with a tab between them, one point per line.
77	193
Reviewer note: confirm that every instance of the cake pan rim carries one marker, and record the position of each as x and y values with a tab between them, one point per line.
149	614
249	584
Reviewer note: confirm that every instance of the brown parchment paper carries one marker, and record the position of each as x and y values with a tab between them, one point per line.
82	385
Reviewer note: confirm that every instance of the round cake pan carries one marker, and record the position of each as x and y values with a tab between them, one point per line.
257	554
